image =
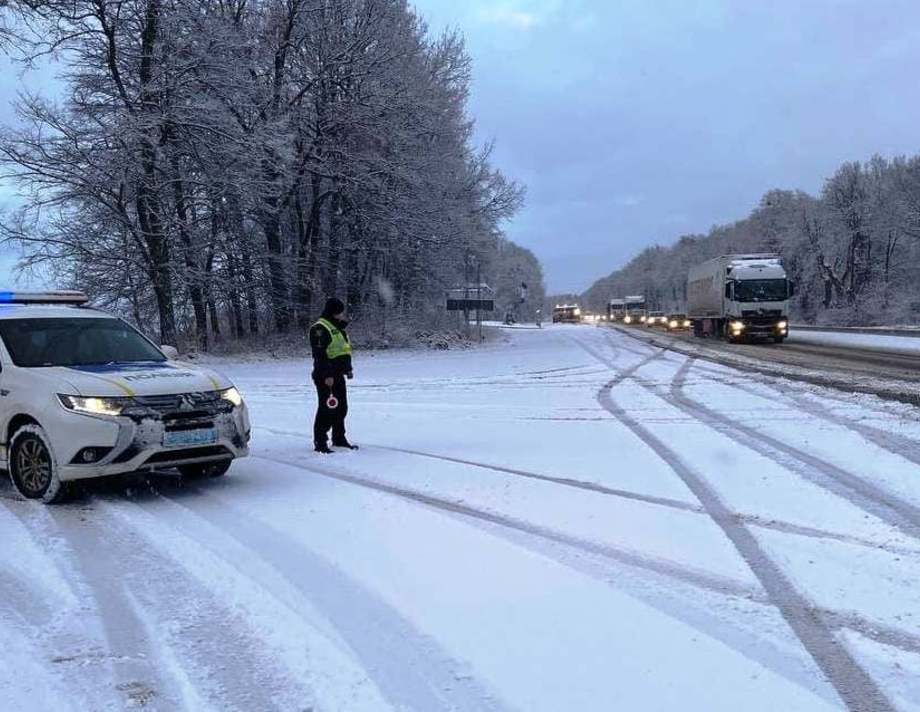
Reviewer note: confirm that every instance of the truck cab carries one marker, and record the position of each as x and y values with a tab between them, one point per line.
616	310
566	314
740	297
635	310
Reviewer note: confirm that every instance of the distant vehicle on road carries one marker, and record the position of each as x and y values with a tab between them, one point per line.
678	322
740	297
616	310
635	310
654	318
566	314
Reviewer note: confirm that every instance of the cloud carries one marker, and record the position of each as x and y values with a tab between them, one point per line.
628	201
509	17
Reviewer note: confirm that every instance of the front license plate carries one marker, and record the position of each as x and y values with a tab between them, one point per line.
202	436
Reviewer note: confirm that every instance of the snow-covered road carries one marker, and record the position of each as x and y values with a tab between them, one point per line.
568	519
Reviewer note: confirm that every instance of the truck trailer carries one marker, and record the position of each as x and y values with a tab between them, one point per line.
740	297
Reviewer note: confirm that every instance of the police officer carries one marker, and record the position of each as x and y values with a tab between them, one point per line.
331	366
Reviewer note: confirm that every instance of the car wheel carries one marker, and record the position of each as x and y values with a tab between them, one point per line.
33	468
205	469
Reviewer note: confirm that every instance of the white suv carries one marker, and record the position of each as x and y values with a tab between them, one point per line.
84	394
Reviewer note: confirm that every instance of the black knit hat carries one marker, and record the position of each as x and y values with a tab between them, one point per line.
333	307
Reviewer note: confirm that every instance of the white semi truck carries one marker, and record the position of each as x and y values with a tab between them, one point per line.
616	309
635	309
740	298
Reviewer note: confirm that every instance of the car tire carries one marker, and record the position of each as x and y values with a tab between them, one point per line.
33	468
200	470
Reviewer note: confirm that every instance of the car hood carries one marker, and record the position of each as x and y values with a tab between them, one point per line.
141	379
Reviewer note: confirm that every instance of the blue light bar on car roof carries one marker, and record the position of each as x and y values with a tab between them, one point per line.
61	297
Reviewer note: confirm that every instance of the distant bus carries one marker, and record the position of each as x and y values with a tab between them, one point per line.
566	314
616	309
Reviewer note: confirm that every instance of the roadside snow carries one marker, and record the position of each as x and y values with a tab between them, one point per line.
870	342
504	540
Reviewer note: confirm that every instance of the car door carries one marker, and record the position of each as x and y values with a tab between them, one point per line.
4	401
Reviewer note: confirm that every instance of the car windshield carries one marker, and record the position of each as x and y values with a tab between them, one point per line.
760	290
36	343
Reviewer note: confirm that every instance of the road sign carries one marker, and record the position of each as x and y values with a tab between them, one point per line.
470	305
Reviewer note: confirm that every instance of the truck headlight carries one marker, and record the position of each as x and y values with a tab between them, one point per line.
737	325
673	324
627	320
232	395
782	325
91	405
686	322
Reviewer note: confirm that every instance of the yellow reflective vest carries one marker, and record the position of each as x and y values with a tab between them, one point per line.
339	345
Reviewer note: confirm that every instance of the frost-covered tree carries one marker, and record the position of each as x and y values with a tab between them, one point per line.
853	251
218	166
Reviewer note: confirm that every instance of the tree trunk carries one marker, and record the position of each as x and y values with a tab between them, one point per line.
146	200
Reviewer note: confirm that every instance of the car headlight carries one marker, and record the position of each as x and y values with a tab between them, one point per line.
738	325
627	319
232	395
673	325
782	325
686	322
92	405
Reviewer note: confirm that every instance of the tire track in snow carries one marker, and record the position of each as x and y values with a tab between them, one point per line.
862	494
897	444
564	481
856	688
750	519
71	637
136	673
700	579
552	543
122	586
412	671
249	647
212	655
881	503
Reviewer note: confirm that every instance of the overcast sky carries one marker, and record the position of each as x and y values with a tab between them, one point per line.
632	122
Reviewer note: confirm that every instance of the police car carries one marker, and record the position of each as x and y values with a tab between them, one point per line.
83	394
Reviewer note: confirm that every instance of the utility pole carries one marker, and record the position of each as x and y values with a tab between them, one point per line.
466	293
479	298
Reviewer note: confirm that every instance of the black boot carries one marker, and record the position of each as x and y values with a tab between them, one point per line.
323	448
344	443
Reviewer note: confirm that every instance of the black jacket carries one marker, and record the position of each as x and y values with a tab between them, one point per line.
323	366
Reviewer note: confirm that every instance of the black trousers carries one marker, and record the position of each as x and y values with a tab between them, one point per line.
327	417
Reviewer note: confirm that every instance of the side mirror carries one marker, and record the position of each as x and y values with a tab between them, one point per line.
728	290
791	288
170	352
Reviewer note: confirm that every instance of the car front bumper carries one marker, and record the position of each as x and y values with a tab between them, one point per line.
132	444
